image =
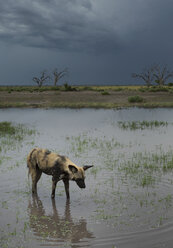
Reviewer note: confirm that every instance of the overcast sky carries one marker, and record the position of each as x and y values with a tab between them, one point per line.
99	41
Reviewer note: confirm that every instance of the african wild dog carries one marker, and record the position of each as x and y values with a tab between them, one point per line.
59	167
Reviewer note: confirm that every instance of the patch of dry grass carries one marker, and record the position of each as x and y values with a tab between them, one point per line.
84	97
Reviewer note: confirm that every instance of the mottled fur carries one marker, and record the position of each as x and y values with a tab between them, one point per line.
59	167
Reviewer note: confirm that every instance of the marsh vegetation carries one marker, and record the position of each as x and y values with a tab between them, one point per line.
128	196
134	125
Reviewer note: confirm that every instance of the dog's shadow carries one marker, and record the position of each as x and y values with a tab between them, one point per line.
55	227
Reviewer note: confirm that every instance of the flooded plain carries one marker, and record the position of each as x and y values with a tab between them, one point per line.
128	200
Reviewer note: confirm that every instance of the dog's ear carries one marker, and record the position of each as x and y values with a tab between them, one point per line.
72	168
86	167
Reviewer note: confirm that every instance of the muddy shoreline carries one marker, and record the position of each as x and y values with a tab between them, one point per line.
84	99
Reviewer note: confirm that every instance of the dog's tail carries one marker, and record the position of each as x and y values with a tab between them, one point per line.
30	161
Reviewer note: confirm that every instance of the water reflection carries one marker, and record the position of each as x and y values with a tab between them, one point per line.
55	227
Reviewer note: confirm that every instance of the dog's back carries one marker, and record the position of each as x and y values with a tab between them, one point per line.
47	161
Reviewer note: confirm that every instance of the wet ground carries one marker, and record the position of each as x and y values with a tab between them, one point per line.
128	199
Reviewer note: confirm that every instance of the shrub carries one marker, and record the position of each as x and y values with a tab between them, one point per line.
105	93
144	89
158	89
118	89
69	88
133	99
86	88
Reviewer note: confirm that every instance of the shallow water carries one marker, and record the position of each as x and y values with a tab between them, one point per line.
128	199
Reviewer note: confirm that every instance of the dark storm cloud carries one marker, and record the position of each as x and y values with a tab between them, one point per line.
99	40
62	24
89	25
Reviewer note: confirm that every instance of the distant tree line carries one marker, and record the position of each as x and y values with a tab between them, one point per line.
154	74
55	77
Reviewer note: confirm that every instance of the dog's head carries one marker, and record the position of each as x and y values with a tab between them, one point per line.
78	174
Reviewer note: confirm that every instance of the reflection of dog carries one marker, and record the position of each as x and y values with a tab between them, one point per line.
59	167
54	226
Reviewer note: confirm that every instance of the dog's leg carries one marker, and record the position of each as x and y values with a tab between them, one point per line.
34	184
54	183
66	185
36	174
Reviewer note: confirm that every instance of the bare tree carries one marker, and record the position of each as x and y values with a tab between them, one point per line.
147	75
40	80
162	74
58	75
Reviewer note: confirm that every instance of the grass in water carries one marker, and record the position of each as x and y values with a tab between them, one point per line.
82	143
145	168
11	137
8	129
134	125
14	131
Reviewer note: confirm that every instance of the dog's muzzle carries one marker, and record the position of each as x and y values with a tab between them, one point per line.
80	183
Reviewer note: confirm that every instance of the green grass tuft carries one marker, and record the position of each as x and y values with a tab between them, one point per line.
135	99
